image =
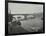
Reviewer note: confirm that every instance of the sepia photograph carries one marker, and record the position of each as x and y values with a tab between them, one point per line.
25	18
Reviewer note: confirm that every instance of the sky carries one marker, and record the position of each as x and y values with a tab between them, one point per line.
21	8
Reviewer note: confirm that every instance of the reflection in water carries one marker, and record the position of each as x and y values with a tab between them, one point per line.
26	23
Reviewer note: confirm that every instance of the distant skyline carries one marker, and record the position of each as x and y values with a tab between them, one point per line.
18	8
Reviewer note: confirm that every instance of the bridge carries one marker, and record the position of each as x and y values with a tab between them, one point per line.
25	16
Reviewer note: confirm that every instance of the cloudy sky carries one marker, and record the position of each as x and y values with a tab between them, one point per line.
19	8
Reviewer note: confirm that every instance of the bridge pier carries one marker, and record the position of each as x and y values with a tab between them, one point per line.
25	17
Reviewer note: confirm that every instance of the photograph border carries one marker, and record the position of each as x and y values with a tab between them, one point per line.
27	2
